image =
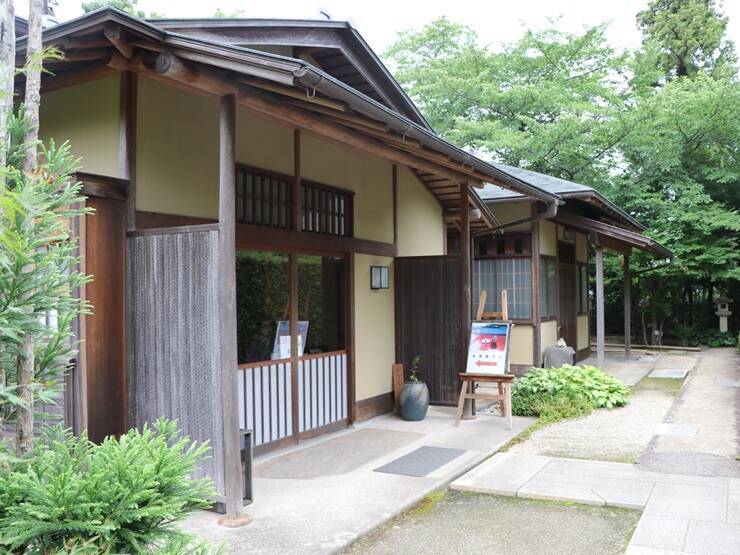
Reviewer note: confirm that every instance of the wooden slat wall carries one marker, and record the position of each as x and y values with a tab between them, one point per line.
173	337
428	320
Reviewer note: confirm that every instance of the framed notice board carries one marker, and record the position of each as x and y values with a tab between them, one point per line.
488	349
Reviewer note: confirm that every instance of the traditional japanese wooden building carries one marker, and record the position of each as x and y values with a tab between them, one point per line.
271	229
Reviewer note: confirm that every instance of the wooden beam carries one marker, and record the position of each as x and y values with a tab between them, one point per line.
600	305
127	141
58	82
113	33
394	185
465	301
627	308
318	101
233	478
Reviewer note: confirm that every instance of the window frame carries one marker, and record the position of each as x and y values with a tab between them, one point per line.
545	261
582	294
514	259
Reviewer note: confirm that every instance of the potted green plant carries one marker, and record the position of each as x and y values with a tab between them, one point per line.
414	397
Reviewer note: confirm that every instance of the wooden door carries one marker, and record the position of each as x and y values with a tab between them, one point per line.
428	315
567	303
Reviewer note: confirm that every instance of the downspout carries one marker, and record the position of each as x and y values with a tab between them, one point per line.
550	212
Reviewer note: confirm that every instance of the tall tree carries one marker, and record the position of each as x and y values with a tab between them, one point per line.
547	102
7	73
32	100
682	37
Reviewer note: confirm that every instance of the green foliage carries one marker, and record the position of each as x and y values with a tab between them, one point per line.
566	392
683	37
694	337
122	496
414	371
38	265
659	140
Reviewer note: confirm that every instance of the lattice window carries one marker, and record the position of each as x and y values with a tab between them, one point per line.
327	209
512	274
548	287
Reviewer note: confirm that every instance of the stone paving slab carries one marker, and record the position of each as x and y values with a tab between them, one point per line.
679	373
677	430
682	514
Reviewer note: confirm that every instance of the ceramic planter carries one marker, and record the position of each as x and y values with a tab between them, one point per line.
414	401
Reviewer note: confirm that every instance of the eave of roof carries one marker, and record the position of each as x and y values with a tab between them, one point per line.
343	26
295	71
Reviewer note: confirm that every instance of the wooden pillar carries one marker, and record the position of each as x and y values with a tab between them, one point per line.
599	305
394	185
127	141
465	283
227	304
537	354
296	190
293	280
627	308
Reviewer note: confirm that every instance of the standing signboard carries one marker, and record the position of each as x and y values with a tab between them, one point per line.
281	345
488	350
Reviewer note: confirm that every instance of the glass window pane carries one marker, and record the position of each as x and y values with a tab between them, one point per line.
321	302
262	288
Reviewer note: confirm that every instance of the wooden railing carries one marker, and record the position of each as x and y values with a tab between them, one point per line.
266	401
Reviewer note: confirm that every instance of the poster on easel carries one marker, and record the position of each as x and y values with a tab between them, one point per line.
281	345
488	350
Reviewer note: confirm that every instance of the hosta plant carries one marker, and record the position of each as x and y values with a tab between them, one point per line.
568	391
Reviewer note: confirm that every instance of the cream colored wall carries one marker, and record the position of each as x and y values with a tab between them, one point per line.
510	212
370	178
421	227
177	151
548	238
522	345
581	247
582	338
86	116
549	335
263	143
375	347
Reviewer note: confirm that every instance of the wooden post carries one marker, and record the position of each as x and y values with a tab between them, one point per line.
296	190
296	224
537	354
599	305
394	185
627	308
127	142
227	304
465	282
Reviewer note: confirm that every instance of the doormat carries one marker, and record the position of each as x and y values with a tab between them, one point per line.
421	462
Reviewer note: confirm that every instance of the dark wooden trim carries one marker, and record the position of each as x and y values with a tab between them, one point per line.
172	230
102	186
127	140
465	268
627	307
351	348
274	446
394	184
291	178
582	354
293	316
325	429
149	220
261	237
548	319
375	406
296	192
227	306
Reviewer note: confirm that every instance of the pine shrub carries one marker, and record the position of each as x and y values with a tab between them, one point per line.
121	496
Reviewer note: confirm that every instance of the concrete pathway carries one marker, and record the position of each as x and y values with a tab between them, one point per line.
682	514
323	495
701	432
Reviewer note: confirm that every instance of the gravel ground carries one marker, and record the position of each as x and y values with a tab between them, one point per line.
459	522
619	435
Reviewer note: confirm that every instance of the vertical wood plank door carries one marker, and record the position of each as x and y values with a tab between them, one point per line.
428	321
567	316
105	328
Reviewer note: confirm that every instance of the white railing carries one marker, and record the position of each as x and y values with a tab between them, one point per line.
266	402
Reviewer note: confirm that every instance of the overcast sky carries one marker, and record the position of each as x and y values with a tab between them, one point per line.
379	21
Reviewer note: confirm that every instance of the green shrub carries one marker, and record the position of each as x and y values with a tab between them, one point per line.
122	496
566	392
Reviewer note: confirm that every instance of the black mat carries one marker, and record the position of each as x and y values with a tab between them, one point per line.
421	462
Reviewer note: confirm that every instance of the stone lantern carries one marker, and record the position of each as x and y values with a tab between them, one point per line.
722	304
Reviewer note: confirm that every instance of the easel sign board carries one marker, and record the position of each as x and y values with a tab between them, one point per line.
488	350
281	345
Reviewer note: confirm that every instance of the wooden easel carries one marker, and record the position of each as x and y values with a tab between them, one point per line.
503	381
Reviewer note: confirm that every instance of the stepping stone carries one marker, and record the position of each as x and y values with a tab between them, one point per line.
679	373
677	430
